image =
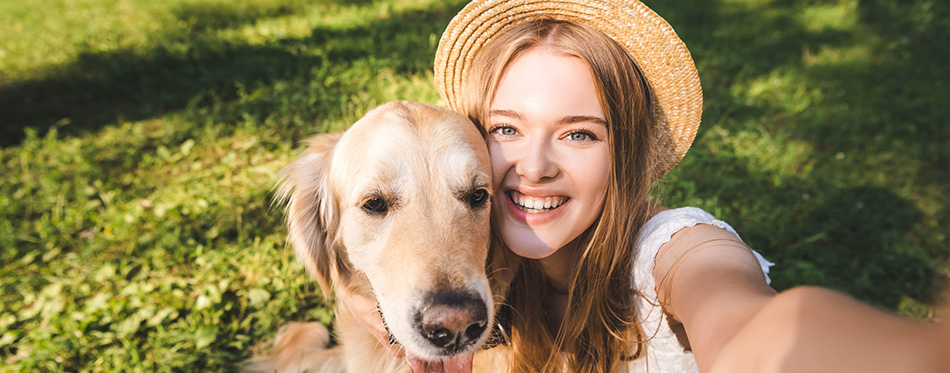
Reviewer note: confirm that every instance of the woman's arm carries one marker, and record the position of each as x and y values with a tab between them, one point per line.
810	329
710	281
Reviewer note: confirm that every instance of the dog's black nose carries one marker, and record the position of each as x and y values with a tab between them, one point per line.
453	319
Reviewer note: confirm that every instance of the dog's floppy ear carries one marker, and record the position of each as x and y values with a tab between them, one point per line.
311	210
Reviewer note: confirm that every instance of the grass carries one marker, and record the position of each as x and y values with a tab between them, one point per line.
141	139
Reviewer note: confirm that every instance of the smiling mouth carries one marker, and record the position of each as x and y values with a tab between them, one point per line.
535	205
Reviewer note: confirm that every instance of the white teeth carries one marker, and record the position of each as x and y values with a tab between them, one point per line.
536	205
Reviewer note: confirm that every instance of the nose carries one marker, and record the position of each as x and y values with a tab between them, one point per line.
535	162
452	319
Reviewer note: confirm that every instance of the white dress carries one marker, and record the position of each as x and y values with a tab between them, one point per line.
664	352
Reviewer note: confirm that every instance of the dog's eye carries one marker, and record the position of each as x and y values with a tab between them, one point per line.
376	206
478	198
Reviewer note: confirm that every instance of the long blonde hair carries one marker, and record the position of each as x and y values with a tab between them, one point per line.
600	328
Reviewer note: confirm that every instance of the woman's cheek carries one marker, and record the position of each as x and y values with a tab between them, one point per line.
500	163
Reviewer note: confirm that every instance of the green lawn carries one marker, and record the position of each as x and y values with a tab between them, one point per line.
140	140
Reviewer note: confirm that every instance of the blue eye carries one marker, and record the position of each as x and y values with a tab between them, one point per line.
504	131
581	136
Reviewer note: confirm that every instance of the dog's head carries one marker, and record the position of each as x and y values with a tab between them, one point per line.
397	207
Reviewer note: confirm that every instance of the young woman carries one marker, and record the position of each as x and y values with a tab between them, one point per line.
585	104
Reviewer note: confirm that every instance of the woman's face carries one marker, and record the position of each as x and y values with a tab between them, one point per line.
550	157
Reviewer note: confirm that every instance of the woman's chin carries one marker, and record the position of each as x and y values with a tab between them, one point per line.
529	247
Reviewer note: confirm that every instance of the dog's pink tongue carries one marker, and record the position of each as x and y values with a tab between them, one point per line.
457	364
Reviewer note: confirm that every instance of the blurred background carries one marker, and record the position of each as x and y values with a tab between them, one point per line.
140	141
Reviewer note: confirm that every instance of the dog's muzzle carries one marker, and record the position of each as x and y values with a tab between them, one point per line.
450	320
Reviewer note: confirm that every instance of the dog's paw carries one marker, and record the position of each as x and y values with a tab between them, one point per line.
297	348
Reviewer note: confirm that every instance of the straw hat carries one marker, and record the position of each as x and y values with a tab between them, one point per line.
650	40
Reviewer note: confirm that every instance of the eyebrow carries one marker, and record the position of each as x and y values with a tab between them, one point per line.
506	113
582	118
570	119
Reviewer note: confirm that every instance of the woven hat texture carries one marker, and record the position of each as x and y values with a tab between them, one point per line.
647	37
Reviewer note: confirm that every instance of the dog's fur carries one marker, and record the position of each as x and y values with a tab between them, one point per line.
430	168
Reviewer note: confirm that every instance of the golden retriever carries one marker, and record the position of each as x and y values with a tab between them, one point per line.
395	209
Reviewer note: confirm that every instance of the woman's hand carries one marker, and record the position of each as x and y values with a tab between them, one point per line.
364	310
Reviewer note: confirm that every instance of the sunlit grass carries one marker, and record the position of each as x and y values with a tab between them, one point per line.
142	139
841	16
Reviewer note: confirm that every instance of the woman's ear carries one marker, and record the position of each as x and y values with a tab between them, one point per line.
311	209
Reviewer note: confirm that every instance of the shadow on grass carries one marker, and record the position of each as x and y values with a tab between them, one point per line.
853	239
891	101
890	92
100	89
873	92
216	16
826	220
